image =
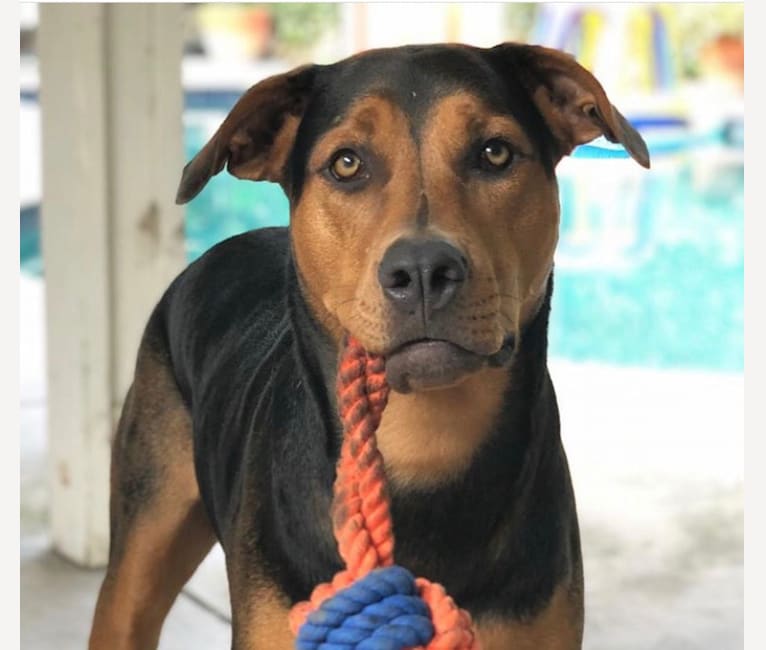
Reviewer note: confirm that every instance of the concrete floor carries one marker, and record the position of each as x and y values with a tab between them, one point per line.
57	601
657	463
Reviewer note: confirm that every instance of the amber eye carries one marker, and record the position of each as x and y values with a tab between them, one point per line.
496	154
345	165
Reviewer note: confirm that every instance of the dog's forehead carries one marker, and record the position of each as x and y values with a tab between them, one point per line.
417	72
412	77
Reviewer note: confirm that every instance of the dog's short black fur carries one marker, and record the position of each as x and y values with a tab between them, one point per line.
255	365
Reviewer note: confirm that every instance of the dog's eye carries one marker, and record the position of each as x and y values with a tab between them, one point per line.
495	154
345	165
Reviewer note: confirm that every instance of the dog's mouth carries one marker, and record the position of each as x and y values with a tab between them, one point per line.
430	364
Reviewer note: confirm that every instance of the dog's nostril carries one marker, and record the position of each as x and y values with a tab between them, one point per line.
442	276
400	280
449	274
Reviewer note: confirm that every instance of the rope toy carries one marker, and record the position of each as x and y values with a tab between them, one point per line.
372	604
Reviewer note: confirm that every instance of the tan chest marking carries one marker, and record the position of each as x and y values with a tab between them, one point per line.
557	627
428	437
260	620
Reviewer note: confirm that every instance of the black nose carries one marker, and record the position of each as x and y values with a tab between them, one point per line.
421	272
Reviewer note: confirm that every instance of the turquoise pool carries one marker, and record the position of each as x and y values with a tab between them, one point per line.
649	273
672	293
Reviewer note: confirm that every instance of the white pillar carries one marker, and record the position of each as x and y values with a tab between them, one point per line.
112	238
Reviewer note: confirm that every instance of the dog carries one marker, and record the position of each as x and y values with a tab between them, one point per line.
424	217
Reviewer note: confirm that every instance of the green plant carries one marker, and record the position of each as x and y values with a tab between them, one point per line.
519	20
298	26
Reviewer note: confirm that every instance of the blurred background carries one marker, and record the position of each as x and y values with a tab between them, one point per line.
646	335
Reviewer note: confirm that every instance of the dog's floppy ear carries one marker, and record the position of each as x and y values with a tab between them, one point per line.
570	99
256	137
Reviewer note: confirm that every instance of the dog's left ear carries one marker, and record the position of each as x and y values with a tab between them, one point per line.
570	99
255	139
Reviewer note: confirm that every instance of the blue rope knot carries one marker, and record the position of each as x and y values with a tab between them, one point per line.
382	611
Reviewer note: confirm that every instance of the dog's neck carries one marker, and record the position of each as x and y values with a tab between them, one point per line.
432	438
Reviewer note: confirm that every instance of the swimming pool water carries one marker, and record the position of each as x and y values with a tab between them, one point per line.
649	268
670	292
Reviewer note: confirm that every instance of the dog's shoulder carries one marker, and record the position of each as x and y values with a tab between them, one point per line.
230	301
237	271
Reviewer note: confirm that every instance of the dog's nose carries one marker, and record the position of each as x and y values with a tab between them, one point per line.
421	272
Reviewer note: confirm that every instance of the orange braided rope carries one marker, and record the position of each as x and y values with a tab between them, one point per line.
360	512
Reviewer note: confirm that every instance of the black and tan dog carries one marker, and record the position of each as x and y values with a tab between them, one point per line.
424	217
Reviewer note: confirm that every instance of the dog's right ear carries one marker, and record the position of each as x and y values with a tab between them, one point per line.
256	137
570	99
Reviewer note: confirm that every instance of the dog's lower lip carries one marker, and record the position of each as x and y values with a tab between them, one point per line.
425	342
430	363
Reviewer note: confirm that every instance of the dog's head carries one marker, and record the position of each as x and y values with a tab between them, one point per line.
424	205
